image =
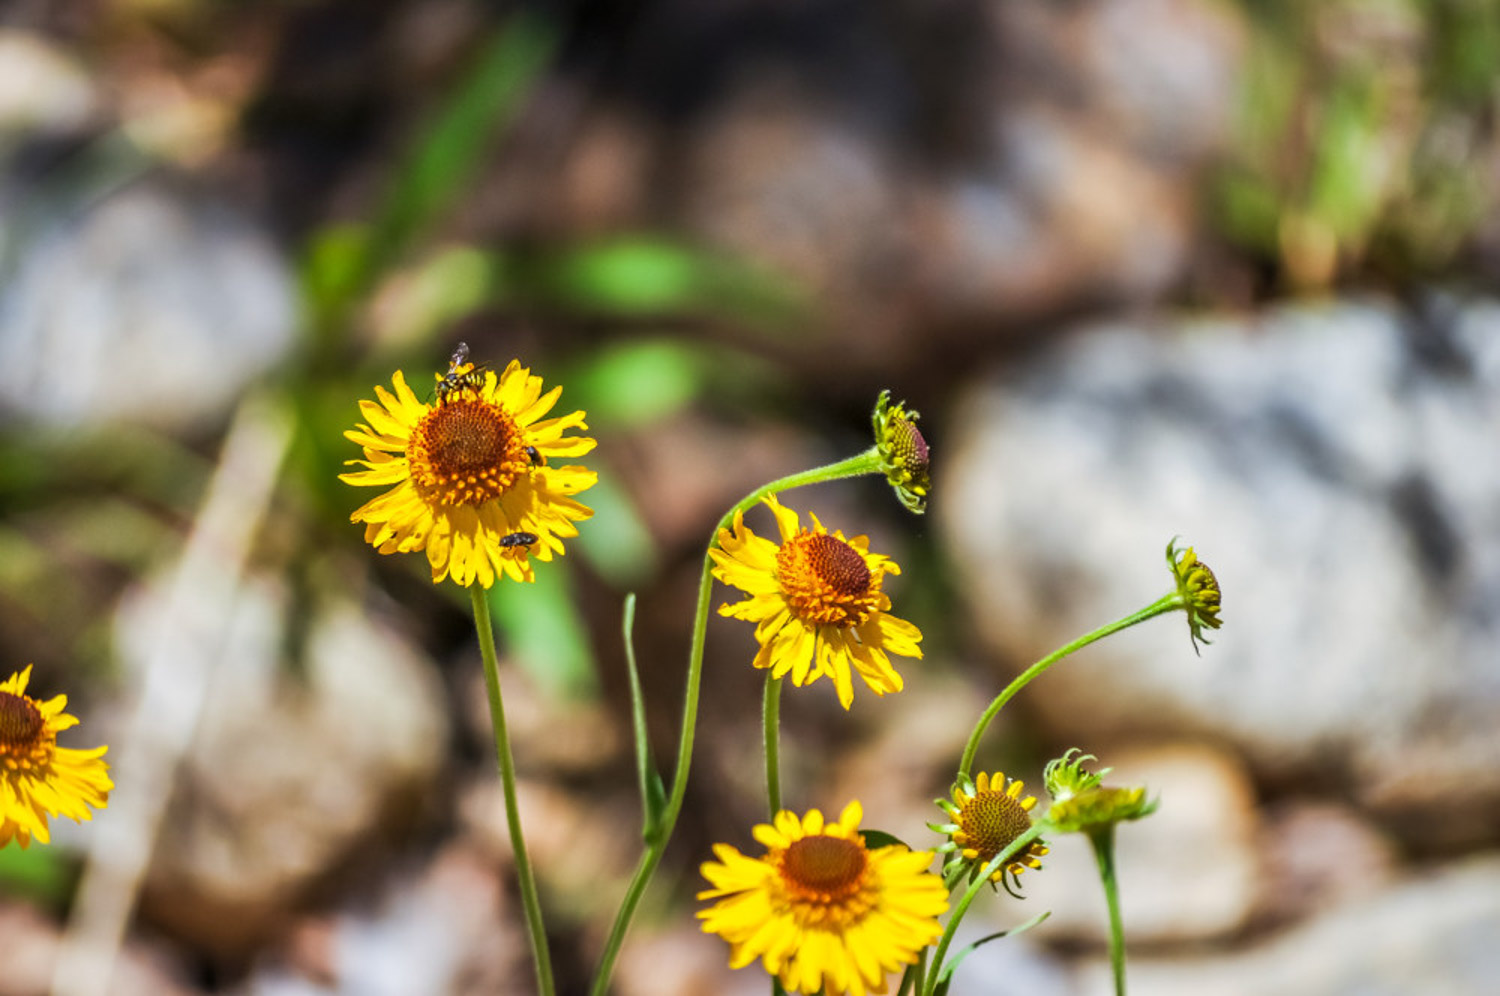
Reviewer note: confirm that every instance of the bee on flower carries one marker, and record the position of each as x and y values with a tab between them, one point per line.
470	471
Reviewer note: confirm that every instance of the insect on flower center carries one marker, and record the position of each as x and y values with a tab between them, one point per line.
466	452
991	821
825	580
824	869
21	722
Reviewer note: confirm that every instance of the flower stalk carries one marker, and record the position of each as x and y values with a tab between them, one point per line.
771	725
995	864
1103	841
1166	603
529	900
867	462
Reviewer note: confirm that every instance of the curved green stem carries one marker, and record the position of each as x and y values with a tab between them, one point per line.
999	860
1104	852
1164	604
770	714
867	462
529	900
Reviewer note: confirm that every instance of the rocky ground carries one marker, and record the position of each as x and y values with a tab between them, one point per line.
997	210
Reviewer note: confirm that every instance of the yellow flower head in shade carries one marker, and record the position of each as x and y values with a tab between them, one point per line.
38	778
816	603
1080	804
903	452
474	476
988	814
1197	590
819	909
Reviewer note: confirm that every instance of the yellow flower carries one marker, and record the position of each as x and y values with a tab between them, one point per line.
38	778
988	815
816	603
903	452
1197	591
472	476
819	909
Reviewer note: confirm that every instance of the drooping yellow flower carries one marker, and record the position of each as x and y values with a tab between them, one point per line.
821	910
38	778
816	602
988	815
472	476
904	455
1197	591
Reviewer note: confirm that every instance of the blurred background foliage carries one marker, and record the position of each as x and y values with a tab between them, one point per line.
1367	138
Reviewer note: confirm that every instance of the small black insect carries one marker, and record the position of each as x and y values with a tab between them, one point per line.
537	460
518	539
459	379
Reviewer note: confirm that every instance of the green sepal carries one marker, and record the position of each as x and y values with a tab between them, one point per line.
879	838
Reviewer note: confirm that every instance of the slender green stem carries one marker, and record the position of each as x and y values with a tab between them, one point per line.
529	900
1104	852
912	977
1164	604
771	722
867	462
1015	847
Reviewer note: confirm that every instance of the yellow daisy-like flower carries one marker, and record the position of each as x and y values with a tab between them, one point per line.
38	778
816	603
472	476
819	909
988	815
1197	591
903	452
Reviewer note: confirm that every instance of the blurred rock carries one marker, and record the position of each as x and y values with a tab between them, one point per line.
1323	461
683	961
801	190
289	776
32	944
42	89
139	302
1434	934
1187	872
1316	856
445	930
910	756
548	733
582	845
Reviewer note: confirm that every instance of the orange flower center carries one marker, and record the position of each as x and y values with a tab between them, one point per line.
824	870
990	821
21	723
466	452
826	581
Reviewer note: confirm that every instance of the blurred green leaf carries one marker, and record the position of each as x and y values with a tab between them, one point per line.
448	157
545	632
420	302
40	874
634	384
642	275
616	541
